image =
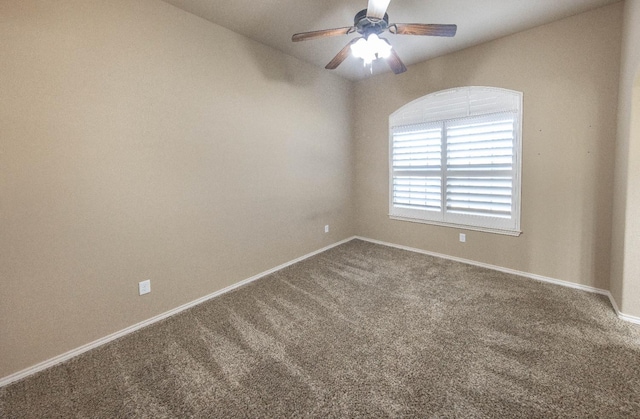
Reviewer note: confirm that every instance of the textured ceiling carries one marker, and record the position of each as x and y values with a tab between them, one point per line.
272	22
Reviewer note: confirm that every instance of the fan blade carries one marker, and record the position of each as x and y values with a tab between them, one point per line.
377	8
341	56
325	33
396	64
423	29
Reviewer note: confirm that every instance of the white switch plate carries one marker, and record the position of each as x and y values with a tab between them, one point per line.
144	287
463	237
326	228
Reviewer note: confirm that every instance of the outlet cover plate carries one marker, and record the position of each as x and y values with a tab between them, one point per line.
144	287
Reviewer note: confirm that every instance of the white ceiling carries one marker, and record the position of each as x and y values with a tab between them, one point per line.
272	22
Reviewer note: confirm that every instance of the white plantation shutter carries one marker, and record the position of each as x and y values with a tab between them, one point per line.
480	170
463	170
417	164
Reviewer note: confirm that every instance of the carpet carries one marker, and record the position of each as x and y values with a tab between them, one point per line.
361	330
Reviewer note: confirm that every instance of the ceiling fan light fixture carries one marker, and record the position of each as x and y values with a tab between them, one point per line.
371	48
370	23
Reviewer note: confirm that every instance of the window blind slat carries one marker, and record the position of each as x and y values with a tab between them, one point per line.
418	192
417	148
481	152
480	196
481	145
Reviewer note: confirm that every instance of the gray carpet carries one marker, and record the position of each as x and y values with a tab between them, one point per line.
361	330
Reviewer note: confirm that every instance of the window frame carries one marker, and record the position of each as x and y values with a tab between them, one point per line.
449	107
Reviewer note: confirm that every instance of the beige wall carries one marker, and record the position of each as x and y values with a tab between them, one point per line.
625	266
568	71
138	141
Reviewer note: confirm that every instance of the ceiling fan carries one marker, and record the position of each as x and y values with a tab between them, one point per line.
370	23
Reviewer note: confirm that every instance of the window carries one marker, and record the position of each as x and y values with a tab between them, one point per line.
455	159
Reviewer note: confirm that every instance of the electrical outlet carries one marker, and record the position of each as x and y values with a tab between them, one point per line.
144	287
326	228
463	237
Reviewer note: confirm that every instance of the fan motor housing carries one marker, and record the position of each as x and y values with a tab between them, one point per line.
368	25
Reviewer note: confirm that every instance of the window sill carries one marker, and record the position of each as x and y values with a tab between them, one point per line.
513	233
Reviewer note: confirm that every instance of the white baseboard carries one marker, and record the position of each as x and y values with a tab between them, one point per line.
560	282
96	343
99	342
625	317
